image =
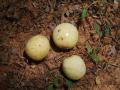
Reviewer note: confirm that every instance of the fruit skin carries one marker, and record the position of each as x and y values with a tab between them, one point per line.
74	67
37	47
65	36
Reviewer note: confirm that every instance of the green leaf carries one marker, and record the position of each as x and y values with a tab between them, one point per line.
97	49
89	49
91	1
95	57
69	83
56	81
54	84
97	28
51	87
92	54
84	13
106	29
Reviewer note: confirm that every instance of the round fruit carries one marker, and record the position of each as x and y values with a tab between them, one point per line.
37	47
74	67
65	36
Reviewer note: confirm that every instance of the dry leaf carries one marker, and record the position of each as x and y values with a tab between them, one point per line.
97	80
107	40
116	4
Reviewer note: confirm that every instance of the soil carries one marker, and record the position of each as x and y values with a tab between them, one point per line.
22	19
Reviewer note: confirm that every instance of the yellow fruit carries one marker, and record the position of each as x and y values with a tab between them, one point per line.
37	47
74	67
65	36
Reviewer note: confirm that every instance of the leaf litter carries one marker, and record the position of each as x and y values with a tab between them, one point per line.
99	27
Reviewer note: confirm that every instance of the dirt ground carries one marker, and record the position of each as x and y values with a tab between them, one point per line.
22	19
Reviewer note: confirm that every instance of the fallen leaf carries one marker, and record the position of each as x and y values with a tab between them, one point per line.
107	40
97	28
84	13
92	54
116	4
97	80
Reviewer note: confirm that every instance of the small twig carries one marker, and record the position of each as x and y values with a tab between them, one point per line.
92	4
113	64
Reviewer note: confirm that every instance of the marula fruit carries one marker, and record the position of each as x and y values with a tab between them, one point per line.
37	47
65	36
74	67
